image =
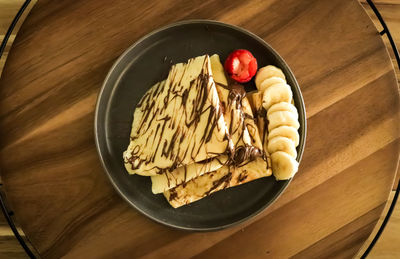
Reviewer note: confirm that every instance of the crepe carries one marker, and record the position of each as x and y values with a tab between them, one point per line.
177	122
250	167
238	117
225	177
244	145
168	180
260	115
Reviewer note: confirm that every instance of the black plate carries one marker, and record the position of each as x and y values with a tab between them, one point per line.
147	62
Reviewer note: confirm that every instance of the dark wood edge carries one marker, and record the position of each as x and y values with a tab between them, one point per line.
397	190
4	208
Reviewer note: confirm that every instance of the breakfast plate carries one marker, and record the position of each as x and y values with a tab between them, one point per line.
148	64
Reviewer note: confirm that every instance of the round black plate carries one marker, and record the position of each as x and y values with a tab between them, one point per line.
147	62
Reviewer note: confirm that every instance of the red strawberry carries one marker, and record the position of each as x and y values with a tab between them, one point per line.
241	65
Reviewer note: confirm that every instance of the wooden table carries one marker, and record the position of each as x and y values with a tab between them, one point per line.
65	203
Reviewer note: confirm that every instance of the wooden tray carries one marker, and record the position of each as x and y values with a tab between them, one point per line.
65	203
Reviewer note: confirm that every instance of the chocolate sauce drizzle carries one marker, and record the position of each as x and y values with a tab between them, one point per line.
241	154
150	113
224	180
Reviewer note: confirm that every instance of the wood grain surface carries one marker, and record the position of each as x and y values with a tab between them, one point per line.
9	246
387	247
7	12
66	205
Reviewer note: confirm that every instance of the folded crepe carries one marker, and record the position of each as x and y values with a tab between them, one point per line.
260	116
180	175
233	107
178	122
247	167
225	177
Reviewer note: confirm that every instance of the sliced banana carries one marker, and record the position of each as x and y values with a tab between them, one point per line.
283	106
283	165
285	131
276	94
269	82
282	118
282	144
267	72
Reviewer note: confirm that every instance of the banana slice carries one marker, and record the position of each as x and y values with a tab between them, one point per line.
276	94
282	118
282	106
285	131
282	144
283	165
267	72
269	82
